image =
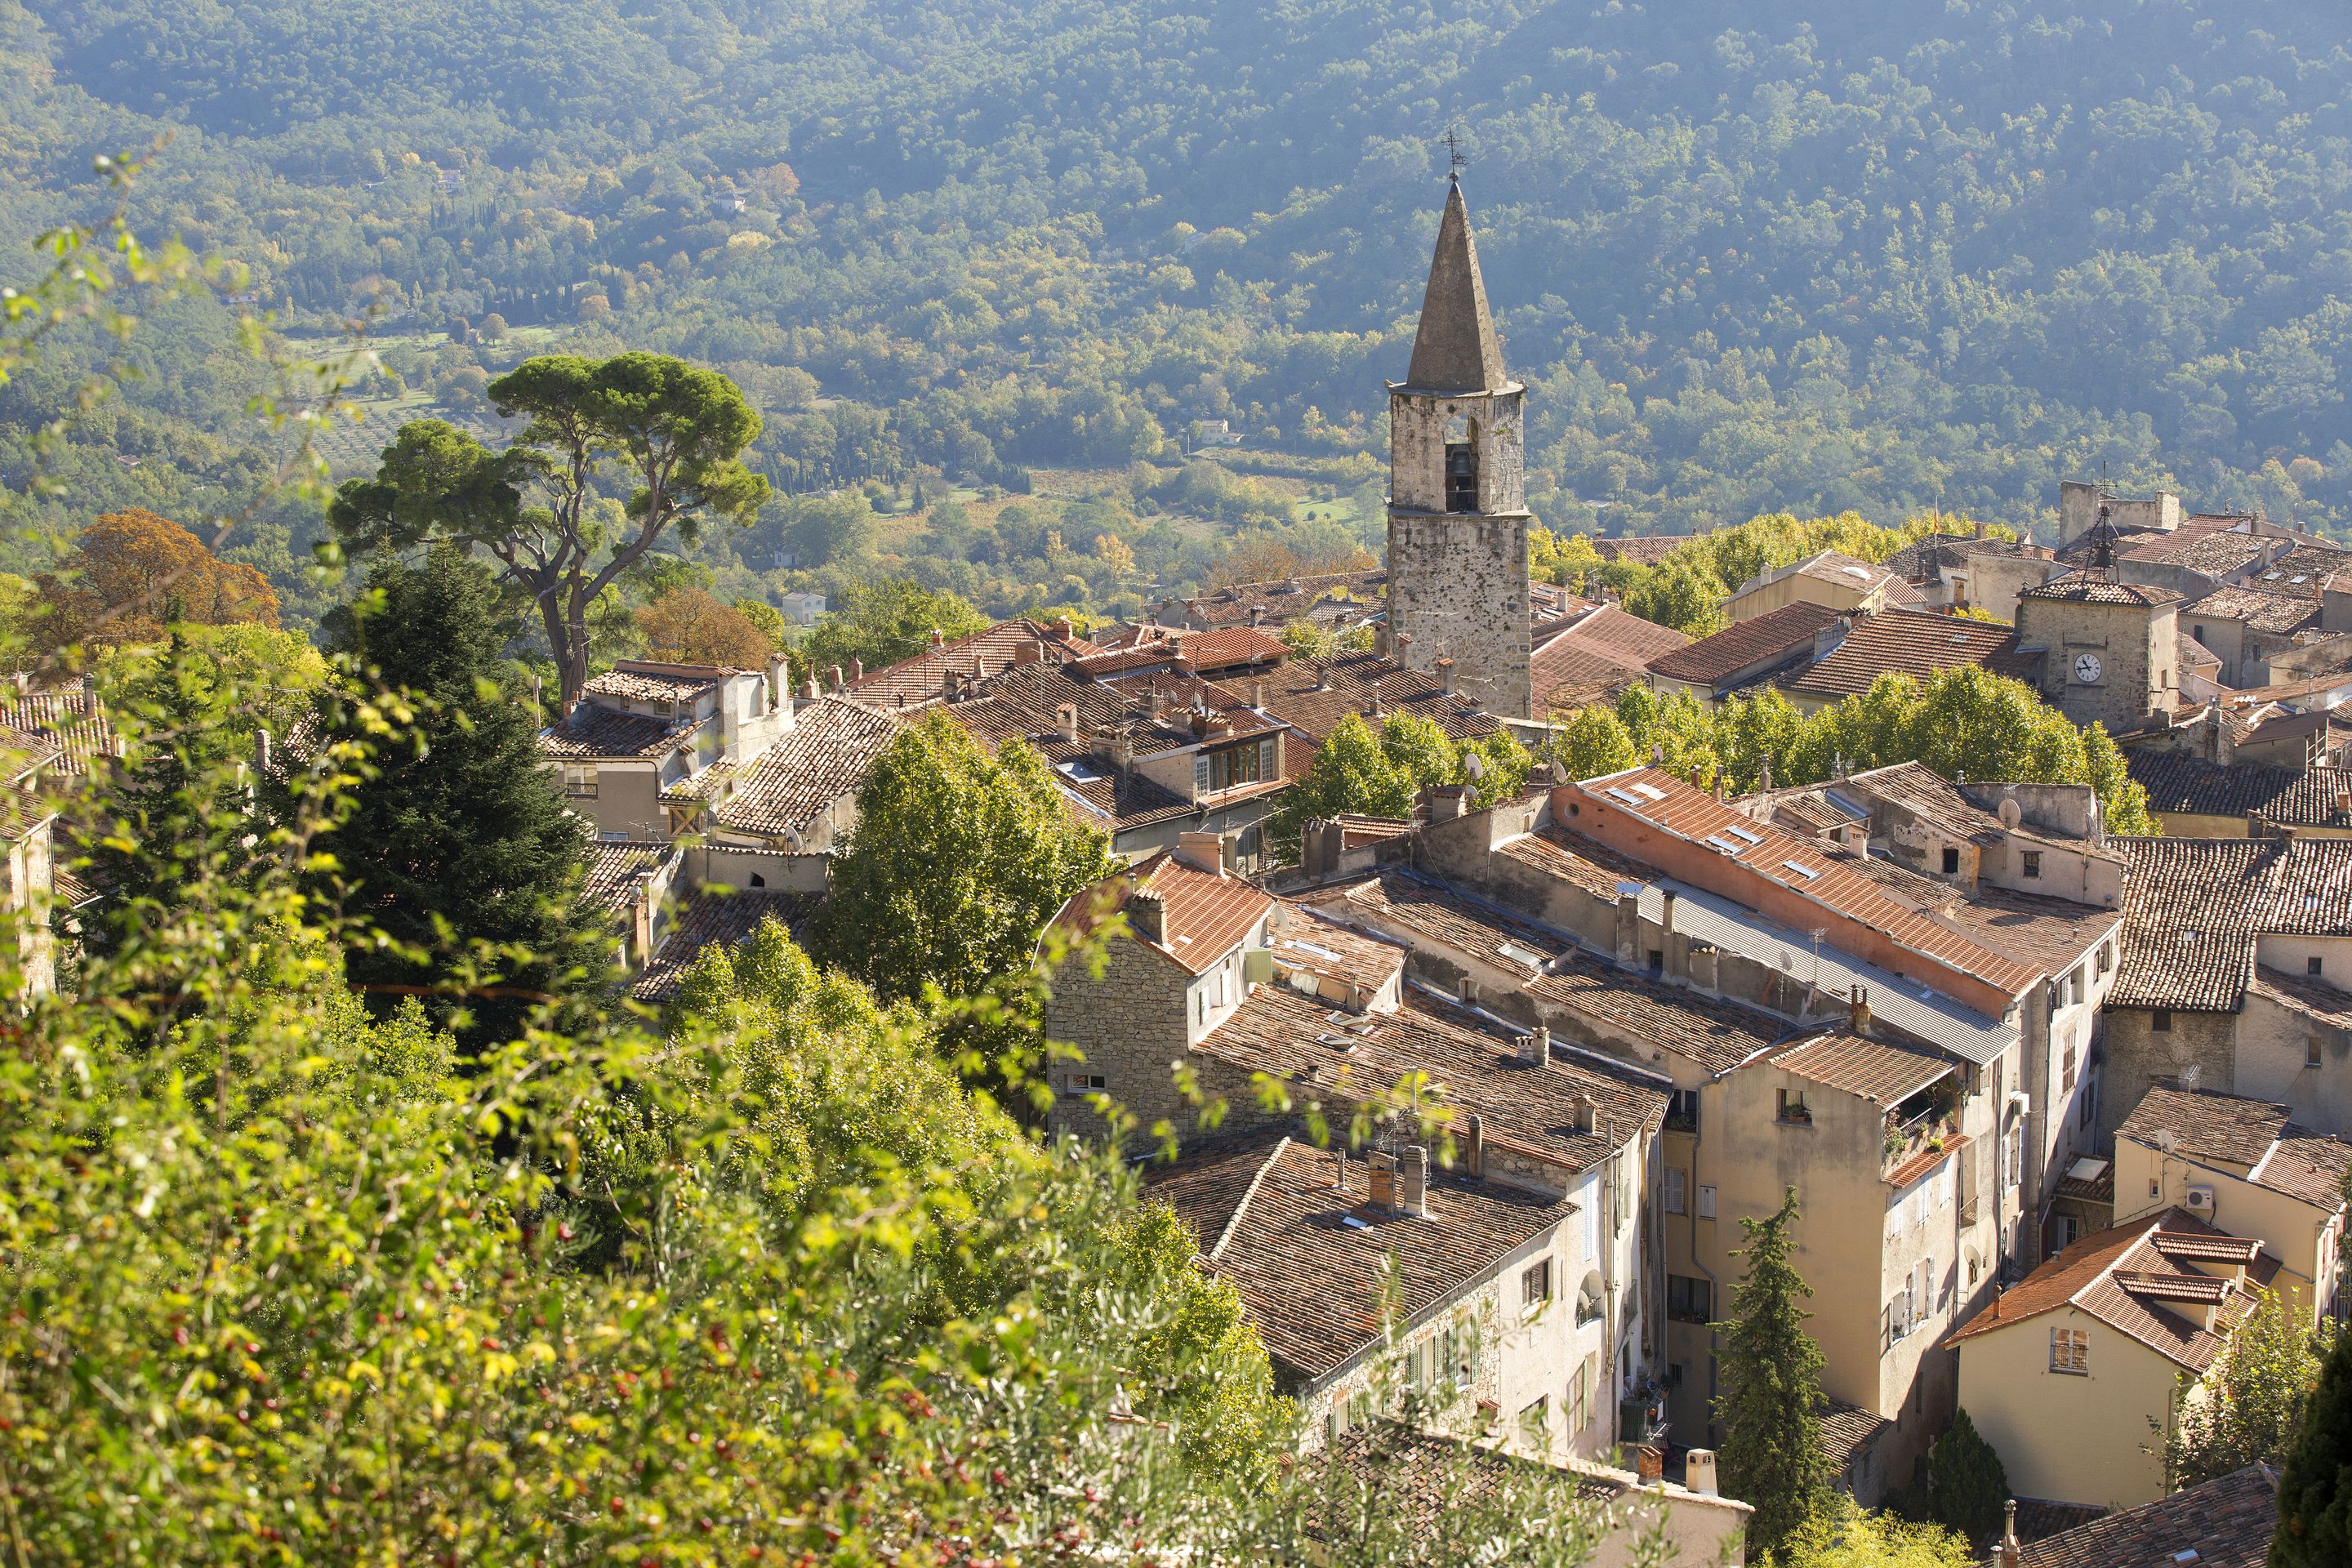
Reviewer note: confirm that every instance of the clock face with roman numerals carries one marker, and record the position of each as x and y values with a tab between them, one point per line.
2086	668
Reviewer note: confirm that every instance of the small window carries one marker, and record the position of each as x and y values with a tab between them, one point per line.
1789	1105
2066	1067
1951	861
1657	958
1535	1285
1587	1300
1682	1111
1677	1195
2311	965
2070	1351
1690	1300
2032	870
2311	1051
2160	1020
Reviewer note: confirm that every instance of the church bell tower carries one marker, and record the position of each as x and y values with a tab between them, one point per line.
1458	489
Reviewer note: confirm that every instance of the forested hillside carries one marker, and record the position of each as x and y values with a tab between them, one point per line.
1816	256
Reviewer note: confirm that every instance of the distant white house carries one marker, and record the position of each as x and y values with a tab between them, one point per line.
800	609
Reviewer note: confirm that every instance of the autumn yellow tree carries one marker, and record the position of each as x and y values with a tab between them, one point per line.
687	626
132	574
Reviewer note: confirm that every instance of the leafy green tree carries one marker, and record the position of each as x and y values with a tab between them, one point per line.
456	847
1419	750
1770	1378
2248	1407
2122	801
957	862
883	621
1673	730
1839	1535
1500	771
1967	1487
1681	597
1351	773
1751	731
2315	1494
1593	742
1305	639
671	432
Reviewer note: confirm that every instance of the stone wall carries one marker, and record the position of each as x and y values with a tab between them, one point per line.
2135	648
1130	1025
2137	1053
1458	580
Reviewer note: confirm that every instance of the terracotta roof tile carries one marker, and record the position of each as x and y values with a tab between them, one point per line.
2291	797
1917	644
1876	1070
1850	1432
1602	654
1307	945
1318	1269
615	871
638	681
1395	899
591	733
1426	1478
822	758
1648	550
2259	608
2215	552
920	679
71	720
1313	695
1747	646
1206	911
2190	910
2084	1277
711	916
2302	571
2082	588
2226	1522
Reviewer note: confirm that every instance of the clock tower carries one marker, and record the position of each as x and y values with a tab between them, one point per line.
2109	650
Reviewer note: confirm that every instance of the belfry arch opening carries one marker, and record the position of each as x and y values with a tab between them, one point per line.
1461	463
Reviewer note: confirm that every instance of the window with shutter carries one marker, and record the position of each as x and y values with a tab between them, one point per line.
1675	1196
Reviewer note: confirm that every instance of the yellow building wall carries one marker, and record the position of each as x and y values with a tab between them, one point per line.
2300	1236
2066	1438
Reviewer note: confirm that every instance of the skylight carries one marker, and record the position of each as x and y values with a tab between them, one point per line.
1809	873
1649	791
1620	795
1517	954
1743	833
1725	844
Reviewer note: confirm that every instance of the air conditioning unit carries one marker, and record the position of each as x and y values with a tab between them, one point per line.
2200	1202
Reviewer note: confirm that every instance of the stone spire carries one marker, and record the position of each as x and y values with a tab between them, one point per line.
1455	349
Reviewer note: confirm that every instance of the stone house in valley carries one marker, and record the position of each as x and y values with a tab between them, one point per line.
2072	1375
1828	578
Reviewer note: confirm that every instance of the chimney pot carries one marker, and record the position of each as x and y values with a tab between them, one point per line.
1535	1047
2011	1554
1383	1180
1860	999
808	690
1588	1113
1478	1148
856	669
837	678
1066	718
1445	674
1412	1183
937	638
1258	695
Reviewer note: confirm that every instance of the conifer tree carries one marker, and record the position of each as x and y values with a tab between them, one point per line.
458	847
2315	1496
1771	1451
1967	1484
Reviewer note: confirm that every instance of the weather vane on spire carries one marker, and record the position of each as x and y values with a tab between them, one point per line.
1455	157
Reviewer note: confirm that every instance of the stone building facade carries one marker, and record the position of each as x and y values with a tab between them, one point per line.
2110	653
1457	499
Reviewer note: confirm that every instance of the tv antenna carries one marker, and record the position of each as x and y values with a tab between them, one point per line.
1455	157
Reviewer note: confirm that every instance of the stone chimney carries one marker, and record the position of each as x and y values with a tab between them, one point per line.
2011	1554
938	638
1764	773
1541	776
836	684
1066	719
808	692
261	753
1446	674
1147	915
1257	614
1063	629
1860	1000
1258	695
1447	801
1534	1049
1588	1113
1628	924
1412	1183
1383	1167
1202	851
1477	1153
856	669
1152	701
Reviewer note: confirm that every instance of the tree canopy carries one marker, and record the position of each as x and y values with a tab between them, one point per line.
132	574
1770	1377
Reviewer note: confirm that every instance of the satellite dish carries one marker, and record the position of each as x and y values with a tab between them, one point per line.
2010	815
2165	1140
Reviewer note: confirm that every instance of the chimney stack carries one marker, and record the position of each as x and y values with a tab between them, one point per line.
1860	998
937	638
808	692
2011	1554
1147	915
261	753
1698	1472
1412	1183
1477	1156
856	669
1384	1180
1066	719
835	673
1446	674
1257	614
1588	1113
1258	695
1202	851
1535	1047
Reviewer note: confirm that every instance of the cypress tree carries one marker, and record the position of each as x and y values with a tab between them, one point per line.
1967	1485
1771	1454
2315	1496
458	847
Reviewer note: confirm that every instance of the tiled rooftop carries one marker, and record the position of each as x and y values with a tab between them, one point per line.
615	870
1602	654
715	915
1207	911
1313	695
2082	588
2226	1522
1767	639
2191	906
70	720
2212	552
1276	603
2292	797
822	758
1879	1072
2261	608
2253	1135
637	680
1917	644
1337	1056
2083	1276
591	733
1645	550
2303	569
1317	1267
923	678
1306	944
1399	900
